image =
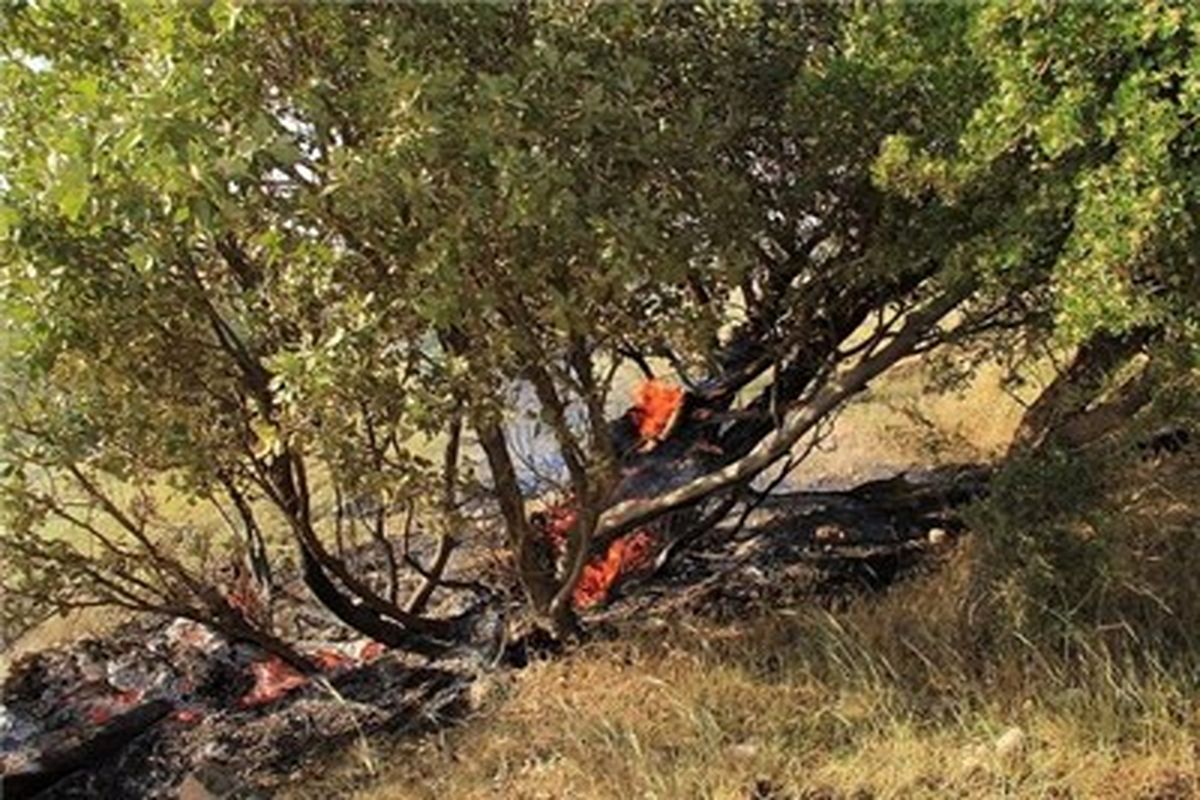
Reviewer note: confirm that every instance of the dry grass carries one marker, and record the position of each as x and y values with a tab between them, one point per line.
907	696
804	705
900	424
915	695
912	695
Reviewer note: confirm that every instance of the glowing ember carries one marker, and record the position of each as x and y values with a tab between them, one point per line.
189	716
331	660
102	712
656	407
99	715
370	651
625	555
246	601
556	522
273	679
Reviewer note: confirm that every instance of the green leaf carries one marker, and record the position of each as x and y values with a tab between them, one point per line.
73	189
267	441
8	220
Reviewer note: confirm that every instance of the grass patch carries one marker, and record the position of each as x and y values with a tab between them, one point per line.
1052	655
875	703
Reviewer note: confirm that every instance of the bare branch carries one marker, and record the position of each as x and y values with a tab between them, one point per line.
638	511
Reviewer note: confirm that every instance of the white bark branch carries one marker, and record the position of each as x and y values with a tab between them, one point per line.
630	513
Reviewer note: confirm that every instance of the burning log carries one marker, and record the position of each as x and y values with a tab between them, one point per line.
626	555
655	439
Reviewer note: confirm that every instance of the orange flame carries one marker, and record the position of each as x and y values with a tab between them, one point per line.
626	554
656	406
623	556
273	678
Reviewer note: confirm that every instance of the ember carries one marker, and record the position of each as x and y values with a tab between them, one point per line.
370	651
656	407
102	711
189	716
272	680
330	660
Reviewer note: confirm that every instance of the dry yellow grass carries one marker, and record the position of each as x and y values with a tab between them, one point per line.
899	424
892	699
789	708
896	698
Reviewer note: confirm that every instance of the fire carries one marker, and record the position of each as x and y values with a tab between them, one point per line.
656	407
654	413
625	555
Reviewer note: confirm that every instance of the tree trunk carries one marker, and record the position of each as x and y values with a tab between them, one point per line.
630	514
1063	413
362	619
535	561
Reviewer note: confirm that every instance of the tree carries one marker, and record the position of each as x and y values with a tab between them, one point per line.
1097	106
253	251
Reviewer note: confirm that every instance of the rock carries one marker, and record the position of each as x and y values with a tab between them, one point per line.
1009	744
744	751
829	534
193	789
209	782
938	536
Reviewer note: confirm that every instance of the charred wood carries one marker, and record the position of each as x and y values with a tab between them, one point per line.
54	767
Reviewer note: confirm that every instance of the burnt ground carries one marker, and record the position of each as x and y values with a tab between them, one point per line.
172	695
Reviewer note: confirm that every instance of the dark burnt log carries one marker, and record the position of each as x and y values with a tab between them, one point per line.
885	512
920	492
871	532
56	766
639	511
363	619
